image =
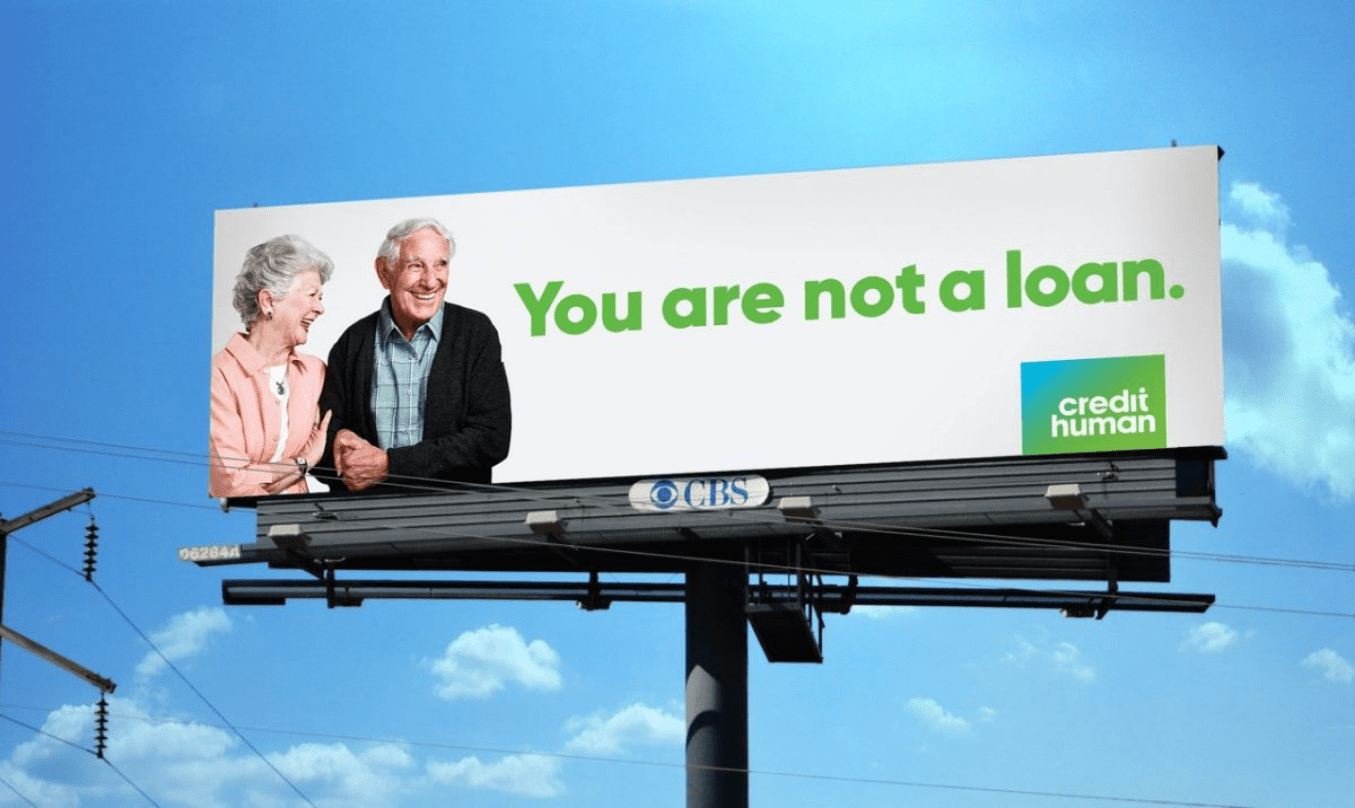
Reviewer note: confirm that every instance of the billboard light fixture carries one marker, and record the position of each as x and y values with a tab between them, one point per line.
545	523
288	537
1066	496
798	508
1069	497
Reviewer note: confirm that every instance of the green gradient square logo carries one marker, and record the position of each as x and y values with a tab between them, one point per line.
1094	405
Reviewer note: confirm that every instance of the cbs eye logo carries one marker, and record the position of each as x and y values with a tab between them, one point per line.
664	494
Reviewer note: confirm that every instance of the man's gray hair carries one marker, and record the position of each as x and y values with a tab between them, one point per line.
390	248
274	266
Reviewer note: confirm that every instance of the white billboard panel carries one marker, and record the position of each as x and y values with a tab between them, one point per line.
963	310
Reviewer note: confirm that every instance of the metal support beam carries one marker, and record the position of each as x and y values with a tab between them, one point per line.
717	687
833	598
32	646
50	509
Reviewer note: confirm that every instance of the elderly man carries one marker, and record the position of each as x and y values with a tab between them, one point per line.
417	389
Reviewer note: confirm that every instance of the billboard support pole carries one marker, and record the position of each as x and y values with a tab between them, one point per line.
717	686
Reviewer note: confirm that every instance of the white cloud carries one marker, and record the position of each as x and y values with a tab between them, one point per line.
1289	348
1334	667
1063	657
935	716
1210	637
183	636
987	714
480	662
528	775
1260	207
636	725
882	612
1024	652
1068	659
187	763
370	777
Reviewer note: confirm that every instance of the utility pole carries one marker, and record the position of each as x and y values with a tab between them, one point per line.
104	684
8	526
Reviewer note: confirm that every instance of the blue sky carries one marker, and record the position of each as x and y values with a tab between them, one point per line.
129	123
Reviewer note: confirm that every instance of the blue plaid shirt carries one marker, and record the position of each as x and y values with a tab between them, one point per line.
400	384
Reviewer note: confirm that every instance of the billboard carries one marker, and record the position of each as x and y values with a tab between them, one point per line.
1026	306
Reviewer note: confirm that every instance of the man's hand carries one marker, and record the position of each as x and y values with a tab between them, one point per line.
359	463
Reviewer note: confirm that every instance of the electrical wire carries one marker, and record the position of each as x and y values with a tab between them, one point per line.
126	618
77	747
45	733
17	793
425	485
199	693
106	495
784	568
781	568
129	782
685	766
240	730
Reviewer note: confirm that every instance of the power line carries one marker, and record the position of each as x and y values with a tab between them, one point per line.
125	497
238	731
673	765
781	568
418	484
119	772
126	618
44	732
17	793
199	694
138	788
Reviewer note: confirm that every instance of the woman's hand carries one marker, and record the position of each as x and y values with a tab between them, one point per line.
315	444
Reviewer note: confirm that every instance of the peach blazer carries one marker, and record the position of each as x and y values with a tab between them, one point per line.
246	418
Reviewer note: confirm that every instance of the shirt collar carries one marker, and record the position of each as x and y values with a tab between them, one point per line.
250	360
385	325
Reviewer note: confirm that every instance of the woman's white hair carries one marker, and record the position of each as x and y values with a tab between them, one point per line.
274	266
390	248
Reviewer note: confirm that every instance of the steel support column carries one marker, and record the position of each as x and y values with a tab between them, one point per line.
717	687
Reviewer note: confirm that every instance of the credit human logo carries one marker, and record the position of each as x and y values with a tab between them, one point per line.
1093	405
1086	415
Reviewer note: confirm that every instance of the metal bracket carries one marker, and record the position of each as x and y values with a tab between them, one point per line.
594	599
1112	588
290	540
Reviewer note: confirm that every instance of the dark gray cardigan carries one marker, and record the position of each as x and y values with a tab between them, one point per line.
467	415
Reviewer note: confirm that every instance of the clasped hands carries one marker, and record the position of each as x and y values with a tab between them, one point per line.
359	463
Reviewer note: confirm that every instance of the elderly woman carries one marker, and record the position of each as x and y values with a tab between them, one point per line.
266	427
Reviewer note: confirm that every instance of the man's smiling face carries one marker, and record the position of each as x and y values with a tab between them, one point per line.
417	280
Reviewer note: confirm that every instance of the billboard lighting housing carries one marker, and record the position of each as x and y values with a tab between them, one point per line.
545	523
1066	496
288	537
803	509
798	508
1069	497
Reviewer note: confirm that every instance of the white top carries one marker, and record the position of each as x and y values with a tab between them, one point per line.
277	382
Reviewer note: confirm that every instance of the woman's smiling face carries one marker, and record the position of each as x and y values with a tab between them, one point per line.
294	313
